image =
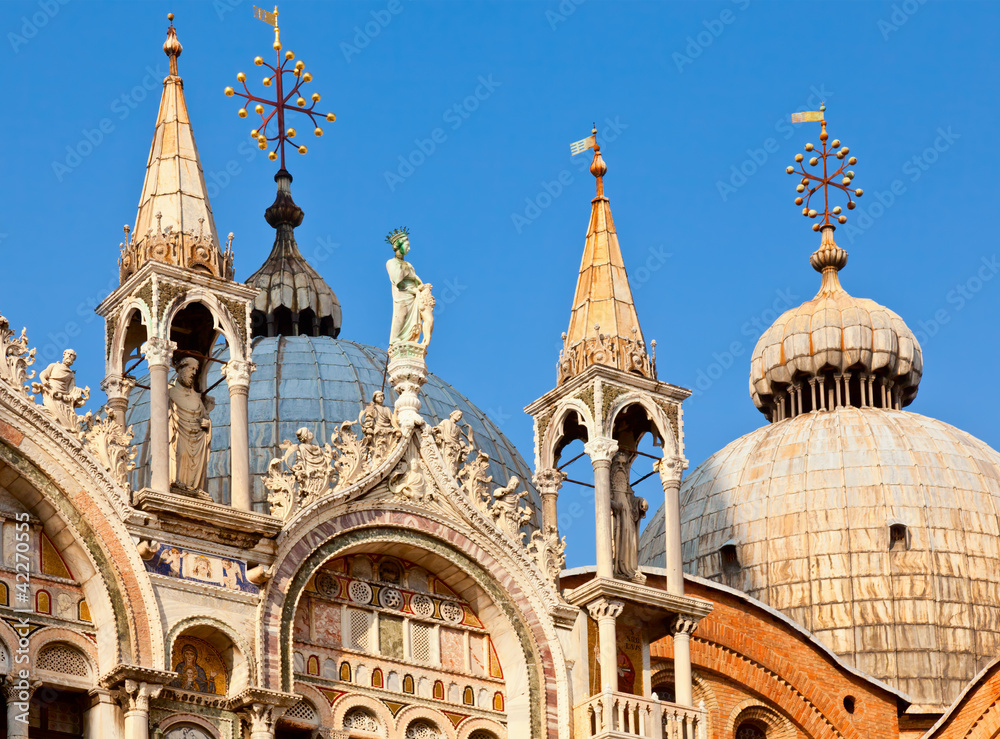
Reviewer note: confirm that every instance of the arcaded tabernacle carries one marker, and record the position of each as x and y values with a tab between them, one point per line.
273	532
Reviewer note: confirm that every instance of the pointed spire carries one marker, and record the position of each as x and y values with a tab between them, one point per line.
174	223
603	326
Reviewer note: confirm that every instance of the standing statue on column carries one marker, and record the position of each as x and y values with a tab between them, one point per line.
412	302
627	510
60	395
190	429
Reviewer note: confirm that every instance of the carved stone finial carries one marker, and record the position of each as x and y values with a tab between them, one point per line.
15	357
294	484
111	443
548	551
508	511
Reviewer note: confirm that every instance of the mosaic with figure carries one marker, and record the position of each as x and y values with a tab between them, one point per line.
187	564
198	666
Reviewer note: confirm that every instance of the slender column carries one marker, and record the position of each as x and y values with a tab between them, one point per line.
847	388
158	353
117	388
671	471
871	390
605	612
135	697
548	482
812	391
18	692
838	383
601	450
682	628
237	376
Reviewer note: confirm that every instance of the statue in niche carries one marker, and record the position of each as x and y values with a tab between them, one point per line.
379	428
60	395
190	430
412	302
455	445
627	510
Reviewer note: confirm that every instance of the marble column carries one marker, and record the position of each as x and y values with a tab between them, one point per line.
117	388
682	628
18	692
601	451
101	719
135	697
606	612
237	376
671	471
261	718
158	353
548	482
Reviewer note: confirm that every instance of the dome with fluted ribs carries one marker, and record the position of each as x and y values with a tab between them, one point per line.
834	350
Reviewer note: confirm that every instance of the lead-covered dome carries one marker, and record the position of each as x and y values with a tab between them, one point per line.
875	529
834	350
317	382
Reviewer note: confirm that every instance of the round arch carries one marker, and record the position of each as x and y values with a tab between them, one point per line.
412	714
554	430
116	347
656	415
181	720
242	669
339	536
777	726
468	727
225	322
349	702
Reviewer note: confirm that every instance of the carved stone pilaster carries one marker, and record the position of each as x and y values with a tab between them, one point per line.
237	374
601	449
158	351
407	372
605	608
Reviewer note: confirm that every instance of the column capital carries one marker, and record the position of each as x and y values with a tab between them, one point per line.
135	695
548	481
605	608
18	690
601	449
158	351
682	625
117	386
238	373
671	469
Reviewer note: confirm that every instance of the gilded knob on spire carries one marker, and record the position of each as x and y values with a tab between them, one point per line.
597	167
172	47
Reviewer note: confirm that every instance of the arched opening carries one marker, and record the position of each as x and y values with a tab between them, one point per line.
56	713
751	730
207	661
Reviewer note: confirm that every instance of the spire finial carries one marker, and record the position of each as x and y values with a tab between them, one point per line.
597	167
172	47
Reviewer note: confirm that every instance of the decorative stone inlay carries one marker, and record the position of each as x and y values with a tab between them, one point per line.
360	592
422	605
587	396
390	598
451	612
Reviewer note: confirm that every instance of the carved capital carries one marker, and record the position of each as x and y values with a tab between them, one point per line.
158	352
604	608
117	386
671	470
18	690
238	373
601	449
261	718
548	481
682	625
135	695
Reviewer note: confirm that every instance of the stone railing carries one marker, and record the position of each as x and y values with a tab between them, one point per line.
611	715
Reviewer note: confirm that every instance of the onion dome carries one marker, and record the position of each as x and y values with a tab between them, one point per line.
834	350
293	298
875	529
317	382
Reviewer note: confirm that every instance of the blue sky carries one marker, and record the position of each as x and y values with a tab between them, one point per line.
454	118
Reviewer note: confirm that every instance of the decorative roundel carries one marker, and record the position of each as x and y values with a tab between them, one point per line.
327	585
390	598
422	605
451	611
360	592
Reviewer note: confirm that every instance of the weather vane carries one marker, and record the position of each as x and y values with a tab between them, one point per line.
840	178
275	110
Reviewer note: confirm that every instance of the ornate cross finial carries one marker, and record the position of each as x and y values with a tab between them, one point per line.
275	109
840	177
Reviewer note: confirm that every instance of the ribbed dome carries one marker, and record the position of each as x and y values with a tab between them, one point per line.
317	382
834	350
803	512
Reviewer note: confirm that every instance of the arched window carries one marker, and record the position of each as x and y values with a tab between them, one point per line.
361	720
423	730
750	730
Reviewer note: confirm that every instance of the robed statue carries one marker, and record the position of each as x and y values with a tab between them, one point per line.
60	395
412	302
627	510
190	429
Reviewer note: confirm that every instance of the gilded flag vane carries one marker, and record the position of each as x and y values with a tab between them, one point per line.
840	177
286	99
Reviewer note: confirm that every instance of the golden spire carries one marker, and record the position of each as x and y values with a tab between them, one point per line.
603	326
172	47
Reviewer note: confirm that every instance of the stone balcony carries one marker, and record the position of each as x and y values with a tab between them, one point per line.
611	715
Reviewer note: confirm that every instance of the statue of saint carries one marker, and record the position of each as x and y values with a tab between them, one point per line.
412	302
627	509
60	395
379	427
455	446
190	429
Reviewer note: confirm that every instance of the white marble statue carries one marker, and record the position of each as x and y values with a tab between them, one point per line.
627	510
379	428
60	395
190	429
412	302
455	445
